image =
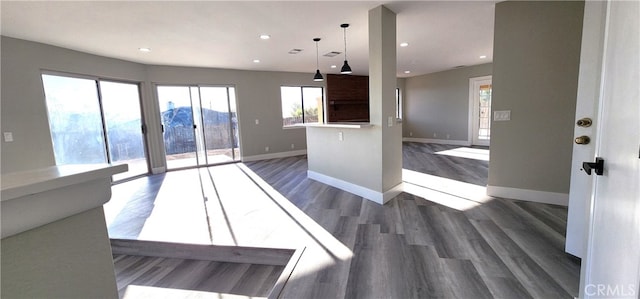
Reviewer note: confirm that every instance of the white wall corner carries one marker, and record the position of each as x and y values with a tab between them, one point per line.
529	195
372	195
274	155
438	141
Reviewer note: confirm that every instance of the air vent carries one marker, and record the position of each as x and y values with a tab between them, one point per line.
332	54
295	51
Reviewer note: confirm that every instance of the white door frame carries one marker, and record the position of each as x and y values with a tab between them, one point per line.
586	107
474	109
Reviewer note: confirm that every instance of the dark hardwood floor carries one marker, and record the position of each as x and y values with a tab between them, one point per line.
412	247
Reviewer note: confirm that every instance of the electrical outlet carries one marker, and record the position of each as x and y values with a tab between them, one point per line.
448	136
257	121
293	146
435	135
340	136
410	133
266	148
390	121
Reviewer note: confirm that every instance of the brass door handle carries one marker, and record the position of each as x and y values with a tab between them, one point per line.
582	140
584	122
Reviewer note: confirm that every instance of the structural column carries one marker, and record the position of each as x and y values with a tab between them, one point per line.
382	91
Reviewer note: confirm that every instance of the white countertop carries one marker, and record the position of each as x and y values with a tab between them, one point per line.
347	125
34	198
23	183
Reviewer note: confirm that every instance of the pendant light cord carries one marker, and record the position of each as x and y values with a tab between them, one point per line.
317	59
345	42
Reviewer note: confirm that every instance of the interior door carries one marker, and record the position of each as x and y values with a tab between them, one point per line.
611	268
586	108
480	97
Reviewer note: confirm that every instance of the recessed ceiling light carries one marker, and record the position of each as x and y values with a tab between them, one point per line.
334	66
144	49
265	36
404	44
483	56
332	54
256	61
407	72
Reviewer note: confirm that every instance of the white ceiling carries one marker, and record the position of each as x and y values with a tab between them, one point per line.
225	34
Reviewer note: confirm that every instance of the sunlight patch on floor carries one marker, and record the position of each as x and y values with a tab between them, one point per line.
451	193
178	214
467	152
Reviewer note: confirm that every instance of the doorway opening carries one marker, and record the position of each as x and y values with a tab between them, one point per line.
480	110
199	125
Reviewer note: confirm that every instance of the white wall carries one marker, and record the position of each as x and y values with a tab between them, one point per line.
535	76
23	107
438	104
24	112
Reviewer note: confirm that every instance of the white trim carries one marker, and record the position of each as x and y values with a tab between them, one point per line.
393	192
372	195
529	195
274	155
438	141
157	170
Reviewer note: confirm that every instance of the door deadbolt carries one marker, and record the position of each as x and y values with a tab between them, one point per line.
584	122
583	140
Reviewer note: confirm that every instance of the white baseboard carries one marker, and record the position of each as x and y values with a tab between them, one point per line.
157	170
438	141
529	195
274	155
372	195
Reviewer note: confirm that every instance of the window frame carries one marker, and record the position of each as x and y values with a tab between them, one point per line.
302	87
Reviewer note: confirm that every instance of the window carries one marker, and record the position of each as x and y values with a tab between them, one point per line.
301	105
95	121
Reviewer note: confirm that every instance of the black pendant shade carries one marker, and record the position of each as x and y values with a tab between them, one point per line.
346	69
317	77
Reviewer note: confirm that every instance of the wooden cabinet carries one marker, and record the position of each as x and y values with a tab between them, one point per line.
347	98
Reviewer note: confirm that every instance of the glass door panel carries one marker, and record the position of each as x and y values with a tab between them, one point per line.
480	96
484	129
218	124
177	122
123	122
75	120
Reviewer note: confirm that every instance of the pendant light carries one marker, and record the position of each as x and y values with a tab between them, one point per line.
346	69
317	77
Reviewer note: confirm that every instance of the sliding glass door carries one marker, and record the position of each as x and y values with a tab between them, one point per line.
95	121
199	125
121	108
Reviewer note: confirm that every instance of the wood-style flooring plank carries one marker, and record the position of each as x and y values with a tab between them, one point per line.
411	247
